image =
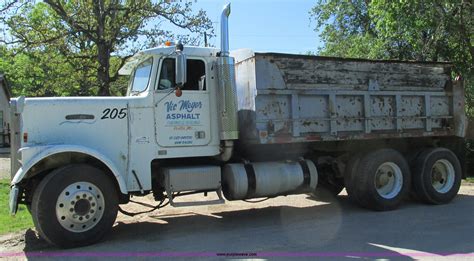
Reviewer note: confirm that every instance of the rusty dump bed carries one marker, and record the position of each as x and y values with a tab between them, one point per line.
286	98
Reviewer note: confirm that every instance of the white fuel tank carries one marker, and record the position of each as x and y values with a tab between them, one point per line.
267	179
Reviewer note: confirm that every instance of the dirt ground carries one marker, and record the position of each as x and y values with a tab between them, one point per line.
281	227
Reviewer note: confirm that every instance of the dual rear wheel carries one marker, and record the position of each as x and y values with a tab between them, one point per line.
438	176
381	179
378	180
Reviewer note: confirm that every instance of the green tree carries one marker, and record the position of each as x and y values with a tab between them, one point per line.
98	36
436	30
39	73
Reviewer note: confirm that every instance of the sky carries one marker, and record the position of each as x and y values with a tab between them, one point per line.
265	25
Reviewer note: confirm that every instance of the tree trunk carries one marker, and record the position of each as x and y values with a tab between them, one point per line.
103	70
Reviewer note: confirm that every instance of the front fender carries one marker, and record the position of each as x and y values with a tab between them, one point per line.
39	153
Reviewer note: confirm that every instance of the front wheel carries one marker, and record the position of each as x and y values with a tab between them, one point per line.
75	205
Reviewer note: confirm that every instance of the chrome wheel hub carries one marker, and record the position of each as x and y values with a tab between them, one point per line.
80	207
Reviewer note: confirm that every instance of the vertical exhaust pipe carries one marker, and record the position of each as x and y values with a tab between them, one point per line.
227	90
225	31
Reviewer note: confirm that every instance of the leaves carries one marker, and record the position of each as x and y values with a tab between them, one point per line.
92	39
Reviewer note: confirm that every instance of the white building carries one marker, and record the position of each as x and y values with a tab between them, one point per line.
5	95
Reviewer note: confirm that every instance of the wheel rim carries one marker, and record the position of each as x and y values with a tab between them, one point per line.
388	180
442	176
80	207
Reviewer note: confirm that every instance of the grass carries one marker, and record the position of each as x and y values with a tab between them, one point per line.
469	180
8	223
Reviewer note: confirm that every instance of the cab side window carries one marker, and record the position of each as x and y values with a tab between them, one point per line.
196	75
167	74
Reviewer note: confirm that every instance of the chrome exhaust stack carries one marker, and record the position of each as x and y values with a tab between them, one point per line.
225	31
227	91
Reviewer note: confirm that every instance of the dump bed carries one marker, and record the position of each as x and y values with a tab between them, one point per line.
286	98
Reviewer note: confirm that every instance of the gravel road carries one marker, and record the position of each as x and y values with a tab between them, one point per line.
291	226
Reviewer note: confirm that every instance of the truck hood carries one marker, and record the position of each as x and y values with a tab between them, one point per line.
74	120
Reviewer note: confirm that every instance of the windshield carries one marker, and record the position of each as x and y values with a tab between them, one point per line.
141	77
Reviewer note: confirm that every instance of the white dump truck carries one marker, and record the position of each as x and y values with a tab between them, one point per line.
243	125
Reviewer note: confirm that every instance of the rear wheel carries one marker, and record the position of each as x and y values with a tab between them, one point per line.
350	174
75	205
381	180
436	176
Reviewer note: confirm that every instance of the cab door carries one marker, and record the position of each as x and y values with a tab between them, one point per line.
182	121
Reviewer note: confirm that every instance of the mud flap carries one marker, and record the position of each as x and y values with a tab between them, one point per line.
13	202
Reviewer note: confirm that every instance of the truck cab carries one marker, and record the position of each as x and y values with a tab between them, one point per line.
175	108
158	119
185	116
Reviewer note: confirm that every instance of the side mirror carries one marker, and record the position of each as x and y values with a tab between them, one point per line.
180	69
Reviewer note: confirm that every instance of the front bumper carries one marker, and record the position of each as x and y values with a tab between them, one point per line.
13	202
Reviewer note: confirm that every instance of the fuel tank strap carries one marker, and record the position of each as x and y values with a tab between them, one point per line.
306	174
251	180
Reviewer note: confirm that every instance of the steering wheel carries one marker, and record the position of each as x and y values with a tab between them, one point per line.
164	84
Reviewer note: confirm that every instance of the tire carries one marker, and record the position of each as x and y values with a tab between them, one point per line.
436	176
75	205
382	180
350	173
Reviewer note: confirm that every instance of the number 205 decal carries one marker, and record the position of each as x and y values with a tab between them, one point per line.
114	113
